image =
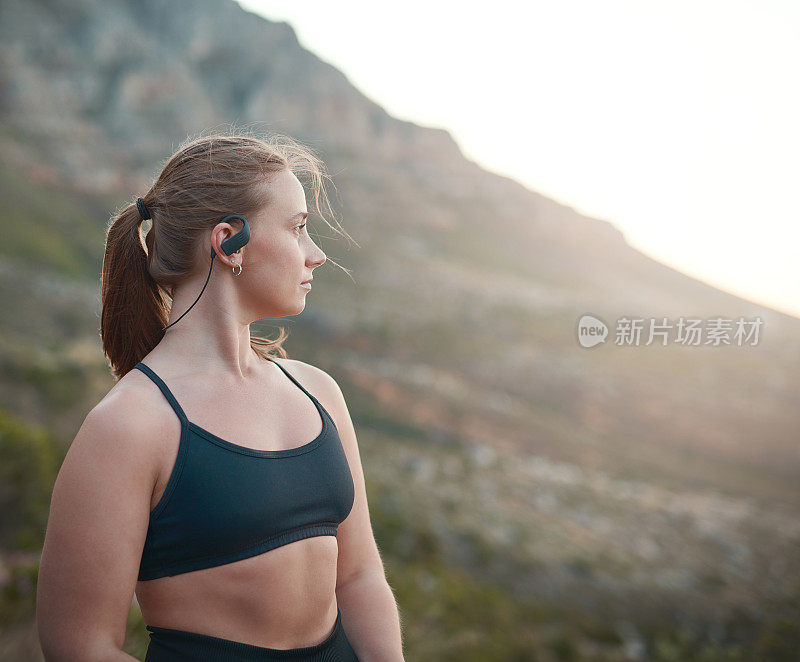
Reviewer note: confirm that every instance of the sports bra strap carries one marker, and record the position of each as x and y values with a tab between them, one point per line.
288	374
164	389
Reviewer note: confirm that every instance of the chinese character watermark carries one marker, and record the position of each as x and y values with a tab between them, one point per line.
687	331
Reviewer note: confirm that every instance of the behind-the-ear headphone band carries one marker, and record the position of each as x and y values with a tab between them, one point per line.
234	243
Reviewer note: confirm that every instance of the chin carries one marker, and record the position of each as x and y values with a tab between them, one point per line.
300	308
284	311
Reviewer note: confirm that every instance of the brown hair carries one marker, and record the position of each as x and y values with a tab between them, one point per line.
206	179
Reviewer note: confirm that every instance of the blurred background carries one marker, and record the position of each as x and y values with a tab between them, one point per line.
505	171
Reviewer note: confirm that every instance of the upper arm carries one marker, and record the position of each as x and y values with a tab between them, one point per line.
96	529
358	551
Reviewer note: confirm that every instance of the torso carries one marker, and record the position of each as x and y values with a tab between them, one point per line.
283	598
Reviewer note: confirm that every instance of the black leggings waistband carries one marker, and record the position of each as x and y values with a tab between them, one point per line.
168	645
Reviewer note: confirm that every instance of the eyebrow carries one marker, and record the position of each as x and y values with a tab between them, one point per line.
303	214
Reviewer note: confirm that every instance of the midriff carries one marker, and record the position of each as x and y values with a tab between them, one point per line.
283	598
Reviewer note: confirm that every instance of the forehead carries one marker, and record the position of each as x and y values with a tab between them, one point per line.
288	195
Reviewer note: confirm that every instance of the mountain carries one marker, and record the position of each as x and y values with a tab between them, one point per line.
620	495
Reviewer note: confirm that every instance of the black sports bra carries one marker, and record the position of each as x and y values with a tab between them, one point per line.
224	502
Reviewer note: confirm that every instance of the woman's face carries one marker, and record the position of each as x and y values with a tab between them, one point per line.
280	254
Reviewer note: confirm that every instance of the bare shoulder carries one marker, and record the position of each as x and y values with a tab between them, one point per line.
115	434
313	376
319	383
135	413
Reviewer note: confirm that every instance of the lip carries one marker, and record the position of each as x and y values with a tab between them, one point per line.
307	285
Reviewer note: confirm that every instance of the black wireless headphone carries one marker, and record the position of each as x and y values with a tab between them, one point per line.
229	246
234	243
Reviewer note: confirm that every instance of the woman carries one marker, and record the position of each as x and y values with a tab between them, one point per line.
193	482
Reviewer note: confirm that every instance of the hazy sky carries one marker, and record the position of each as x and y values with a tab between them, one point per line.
677	121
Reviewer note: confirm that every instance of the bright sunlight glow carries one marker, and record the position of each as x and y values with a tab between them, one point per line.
674	120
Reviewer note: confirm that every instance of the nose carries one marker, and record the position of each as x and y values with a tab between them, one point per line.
316	258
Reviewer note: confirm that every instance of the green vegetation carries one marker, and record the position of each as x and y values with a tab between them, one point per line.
18	594
59	382
136	638
65	237
29	462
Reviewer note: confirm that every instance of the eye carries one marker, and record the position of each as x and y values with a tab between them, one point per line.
300	226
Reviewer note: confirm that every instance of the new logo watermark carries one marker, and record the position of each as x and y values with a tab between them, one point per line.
591	331
713	331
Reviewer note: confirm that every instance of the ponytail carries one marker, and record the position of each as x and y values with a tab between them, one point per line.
134	306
